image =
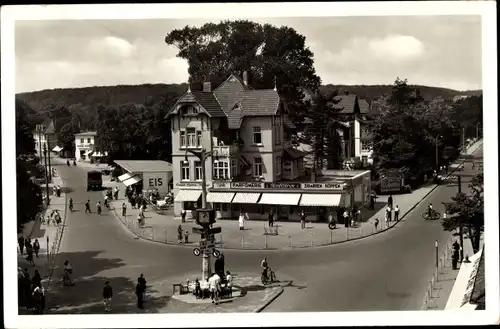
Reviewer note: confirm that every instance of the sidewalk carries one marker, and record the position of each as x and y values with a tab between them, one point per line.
82	164
163	228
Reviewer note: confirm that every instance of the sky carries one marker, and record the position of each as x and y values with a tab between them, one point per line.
441	51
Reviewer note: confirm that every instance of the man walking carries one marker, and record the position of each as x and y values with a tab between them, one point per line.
302	219
388	212
87	207
271	219
139	291
107	294
36	247
396	213
142	281
389	201
20	241
124	209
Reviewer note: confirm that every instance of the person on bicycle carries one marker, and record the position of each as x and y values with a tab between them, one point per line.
430	210
70	201
265	267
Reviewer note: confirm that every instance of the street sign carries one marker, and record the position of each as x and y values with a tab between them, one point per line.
215	230
206	244
197	230
216	253
196	251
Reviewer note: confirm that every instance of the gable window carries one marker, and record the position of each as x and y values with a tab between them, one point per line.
184	170
278	165
257	135
191	137
257	167
183	138
198	173
198	138
221	169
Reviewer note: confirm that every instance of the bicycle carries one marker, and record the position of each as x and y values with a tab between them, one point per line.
270	278
435	215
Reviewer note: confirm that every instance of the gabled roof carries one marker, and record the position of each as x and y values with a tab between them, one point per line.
87	133
363	106
235	117
209	103
293	154
347	104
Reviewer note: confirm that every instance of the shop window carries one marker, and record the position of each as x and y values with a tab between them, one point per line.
217	207
257	135
224	207
237	208
262	210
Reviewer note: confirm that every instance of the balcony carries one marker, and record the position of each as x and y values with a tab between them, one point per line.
226	150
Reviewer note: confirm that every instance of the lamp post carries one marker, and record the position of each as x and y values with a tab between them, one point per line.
46	176
437	253
48	153
39	131
203	156
437	153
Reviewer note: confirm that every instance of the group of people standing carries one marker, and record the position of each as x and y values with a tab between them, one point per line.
31	293
389	209
140	292
31	248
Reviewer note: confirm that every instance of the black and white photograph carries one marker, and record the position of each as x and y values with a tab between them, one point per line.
221	165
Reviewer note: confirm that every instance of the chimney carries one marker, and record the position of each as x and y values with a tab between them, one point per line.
245	78
207	87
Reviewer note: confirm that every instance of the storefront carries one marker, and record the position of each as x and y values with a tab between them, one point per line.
286	200
146	175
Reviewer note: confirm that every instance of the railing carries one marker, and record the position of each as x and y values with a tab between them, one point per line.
226	150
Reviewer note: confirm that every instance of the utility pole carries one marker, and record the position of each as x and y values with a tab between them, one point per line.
437	155
463	139
48	153
46	176
461	228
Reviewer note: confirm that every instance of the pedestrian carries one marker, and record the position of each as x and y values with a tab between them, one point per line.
106	201
345	215
271	218
36	280
29	251
36	247
27	289
141	210
116	193
58	190
303	219
20	241
124	209
183	215
396	213
229	283
142	281
179	234
372	201
132	201
241	221
139	291
87	207
107	294
388	212
20	287
57	217
389	201
39	298
186	237
197	288
98	207
376	224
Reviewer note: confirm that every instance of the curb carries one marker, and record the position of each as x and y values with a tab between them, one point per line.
272	299
302	247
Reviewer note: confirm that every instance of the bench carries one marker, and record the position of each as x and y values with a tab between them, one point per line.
182	288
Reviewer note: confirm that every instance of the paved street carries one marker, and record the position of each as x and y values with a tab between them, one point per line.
388	271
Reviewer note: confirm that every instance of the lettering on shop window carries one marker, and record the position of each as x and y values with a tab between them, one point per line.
246	185
282	185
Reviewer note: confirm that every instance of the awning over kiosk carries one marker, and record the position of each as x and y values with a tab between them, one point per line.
222	197
132	180
124	177
327	200
287	199
57	149
246	198
188	195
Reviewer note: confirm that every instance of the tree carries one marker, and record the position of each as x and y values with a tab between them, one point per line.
467	211
270	54
25	143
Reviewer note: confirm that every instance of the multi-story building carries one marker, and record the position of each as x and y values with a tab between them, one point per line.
85	145
254	166
46	135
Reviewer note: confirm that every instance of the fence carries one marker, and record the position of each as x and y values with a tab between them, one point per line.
444	261
257	235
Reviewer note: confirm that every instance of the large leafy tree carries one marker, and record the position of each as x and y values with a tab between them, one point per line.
25	117
467	211
270	54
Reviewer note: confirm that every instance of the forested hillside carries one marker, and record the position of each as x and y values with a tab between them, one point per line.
91	97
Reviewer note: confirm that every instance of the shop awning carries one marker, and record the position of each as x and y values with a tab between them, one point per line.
222	197
287	199
187	195
57	149
246	198
132	180
316	200
124	177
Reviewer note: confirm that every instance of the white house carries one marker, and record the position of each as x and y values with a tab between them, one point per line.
84	145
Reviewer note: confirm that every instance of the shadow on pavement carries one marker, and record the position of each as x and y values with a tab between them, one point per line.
85	297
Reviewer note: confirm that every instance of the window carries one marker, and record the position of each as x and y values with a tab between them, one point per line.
217	206
257	167
198	173
183	138
234	168
88	140
198	138
221	169
82	140
184	170
277	133
224	207
278	165
257	135
191	137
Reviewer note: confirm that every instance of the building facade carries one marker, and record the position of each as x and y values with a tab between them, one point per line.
254	167
45	135
85	145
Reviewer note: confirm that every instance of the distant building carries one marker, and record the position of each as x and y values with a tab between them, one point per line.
85	149
459	97
46	134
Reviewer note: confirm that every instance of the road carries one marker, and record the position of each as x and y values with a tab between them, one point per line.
389	271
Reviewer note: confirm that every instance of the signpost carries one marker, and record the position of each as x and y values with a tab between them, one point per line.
206	218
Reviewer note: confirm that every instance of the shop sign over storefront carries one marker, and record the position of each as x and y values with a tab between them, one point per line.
280	186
